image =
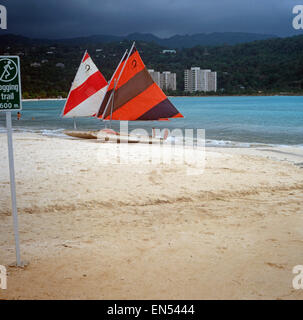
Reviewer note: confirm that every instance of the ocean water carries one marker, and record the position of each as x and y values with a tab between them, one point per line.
228	121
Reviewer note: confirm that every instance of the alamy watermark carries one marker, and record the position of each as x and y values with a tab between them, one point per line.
3	17
297	281
3	278
297	22
165	146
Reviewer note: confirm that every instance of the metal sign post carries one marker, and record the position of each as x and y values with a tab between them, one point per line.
10	100
13	184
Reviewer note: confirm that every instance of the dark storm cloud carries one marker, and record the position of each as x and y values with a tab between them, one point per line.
70	18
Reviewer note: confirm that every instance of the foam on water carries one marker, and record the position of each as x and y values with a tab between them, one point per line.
53	133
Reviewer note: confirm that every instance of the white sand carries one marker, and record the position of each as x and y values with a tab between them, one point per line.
92	229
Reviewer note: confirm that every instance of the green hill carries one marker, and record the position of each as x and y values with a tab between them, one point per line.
176	41
270	66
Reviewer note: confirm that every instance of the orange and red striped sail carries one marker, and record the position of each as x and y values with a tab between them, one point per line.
136	96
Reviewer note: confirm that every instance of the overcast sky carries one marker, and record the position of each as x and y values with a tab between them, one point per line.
73	18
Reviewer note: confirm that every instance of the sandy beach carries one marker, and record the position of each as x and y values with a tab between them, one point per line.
93	229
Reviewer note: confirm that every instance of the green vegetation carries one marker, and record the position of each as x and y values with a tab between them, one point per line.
272	66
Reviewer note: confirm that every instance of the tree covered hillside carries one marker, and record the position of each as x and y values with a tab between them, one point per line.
270	66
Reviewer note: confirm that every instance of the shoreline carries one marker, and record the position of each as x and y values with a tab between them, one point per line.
242	95
44	99
203	96
209	143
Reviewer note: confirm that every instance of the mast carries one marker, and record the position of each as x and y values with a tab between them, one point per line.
112	107
115	83
130	51
105	109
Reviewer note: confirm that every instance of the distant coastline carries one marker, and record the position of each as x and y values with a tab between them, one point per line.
286	94
44	99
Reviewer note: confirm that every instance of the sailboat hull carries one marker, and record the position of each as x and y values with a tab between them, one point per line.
105	136
82	134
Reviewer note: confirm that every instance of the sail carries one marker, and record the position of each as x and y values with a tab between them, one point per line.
87	91
136	96
110	88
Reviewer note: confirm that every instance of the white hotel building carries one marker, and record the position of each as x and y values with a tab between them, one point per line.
165	80
197	79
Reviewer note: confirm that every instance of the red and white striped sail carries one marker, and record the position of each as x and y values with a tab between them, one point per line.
87	91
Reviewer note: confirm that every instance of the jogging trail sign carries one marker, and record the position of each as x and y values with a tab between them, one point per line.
10	83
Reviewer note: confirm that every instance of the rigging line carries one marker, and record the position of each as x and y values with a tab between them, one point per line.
112	95
105	109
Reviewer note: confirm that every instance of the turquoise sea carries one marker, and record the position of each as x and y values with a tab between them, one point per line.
228	121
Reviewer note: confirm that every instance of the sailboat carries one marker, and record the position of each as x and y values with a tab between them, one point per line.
88	89
132	95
